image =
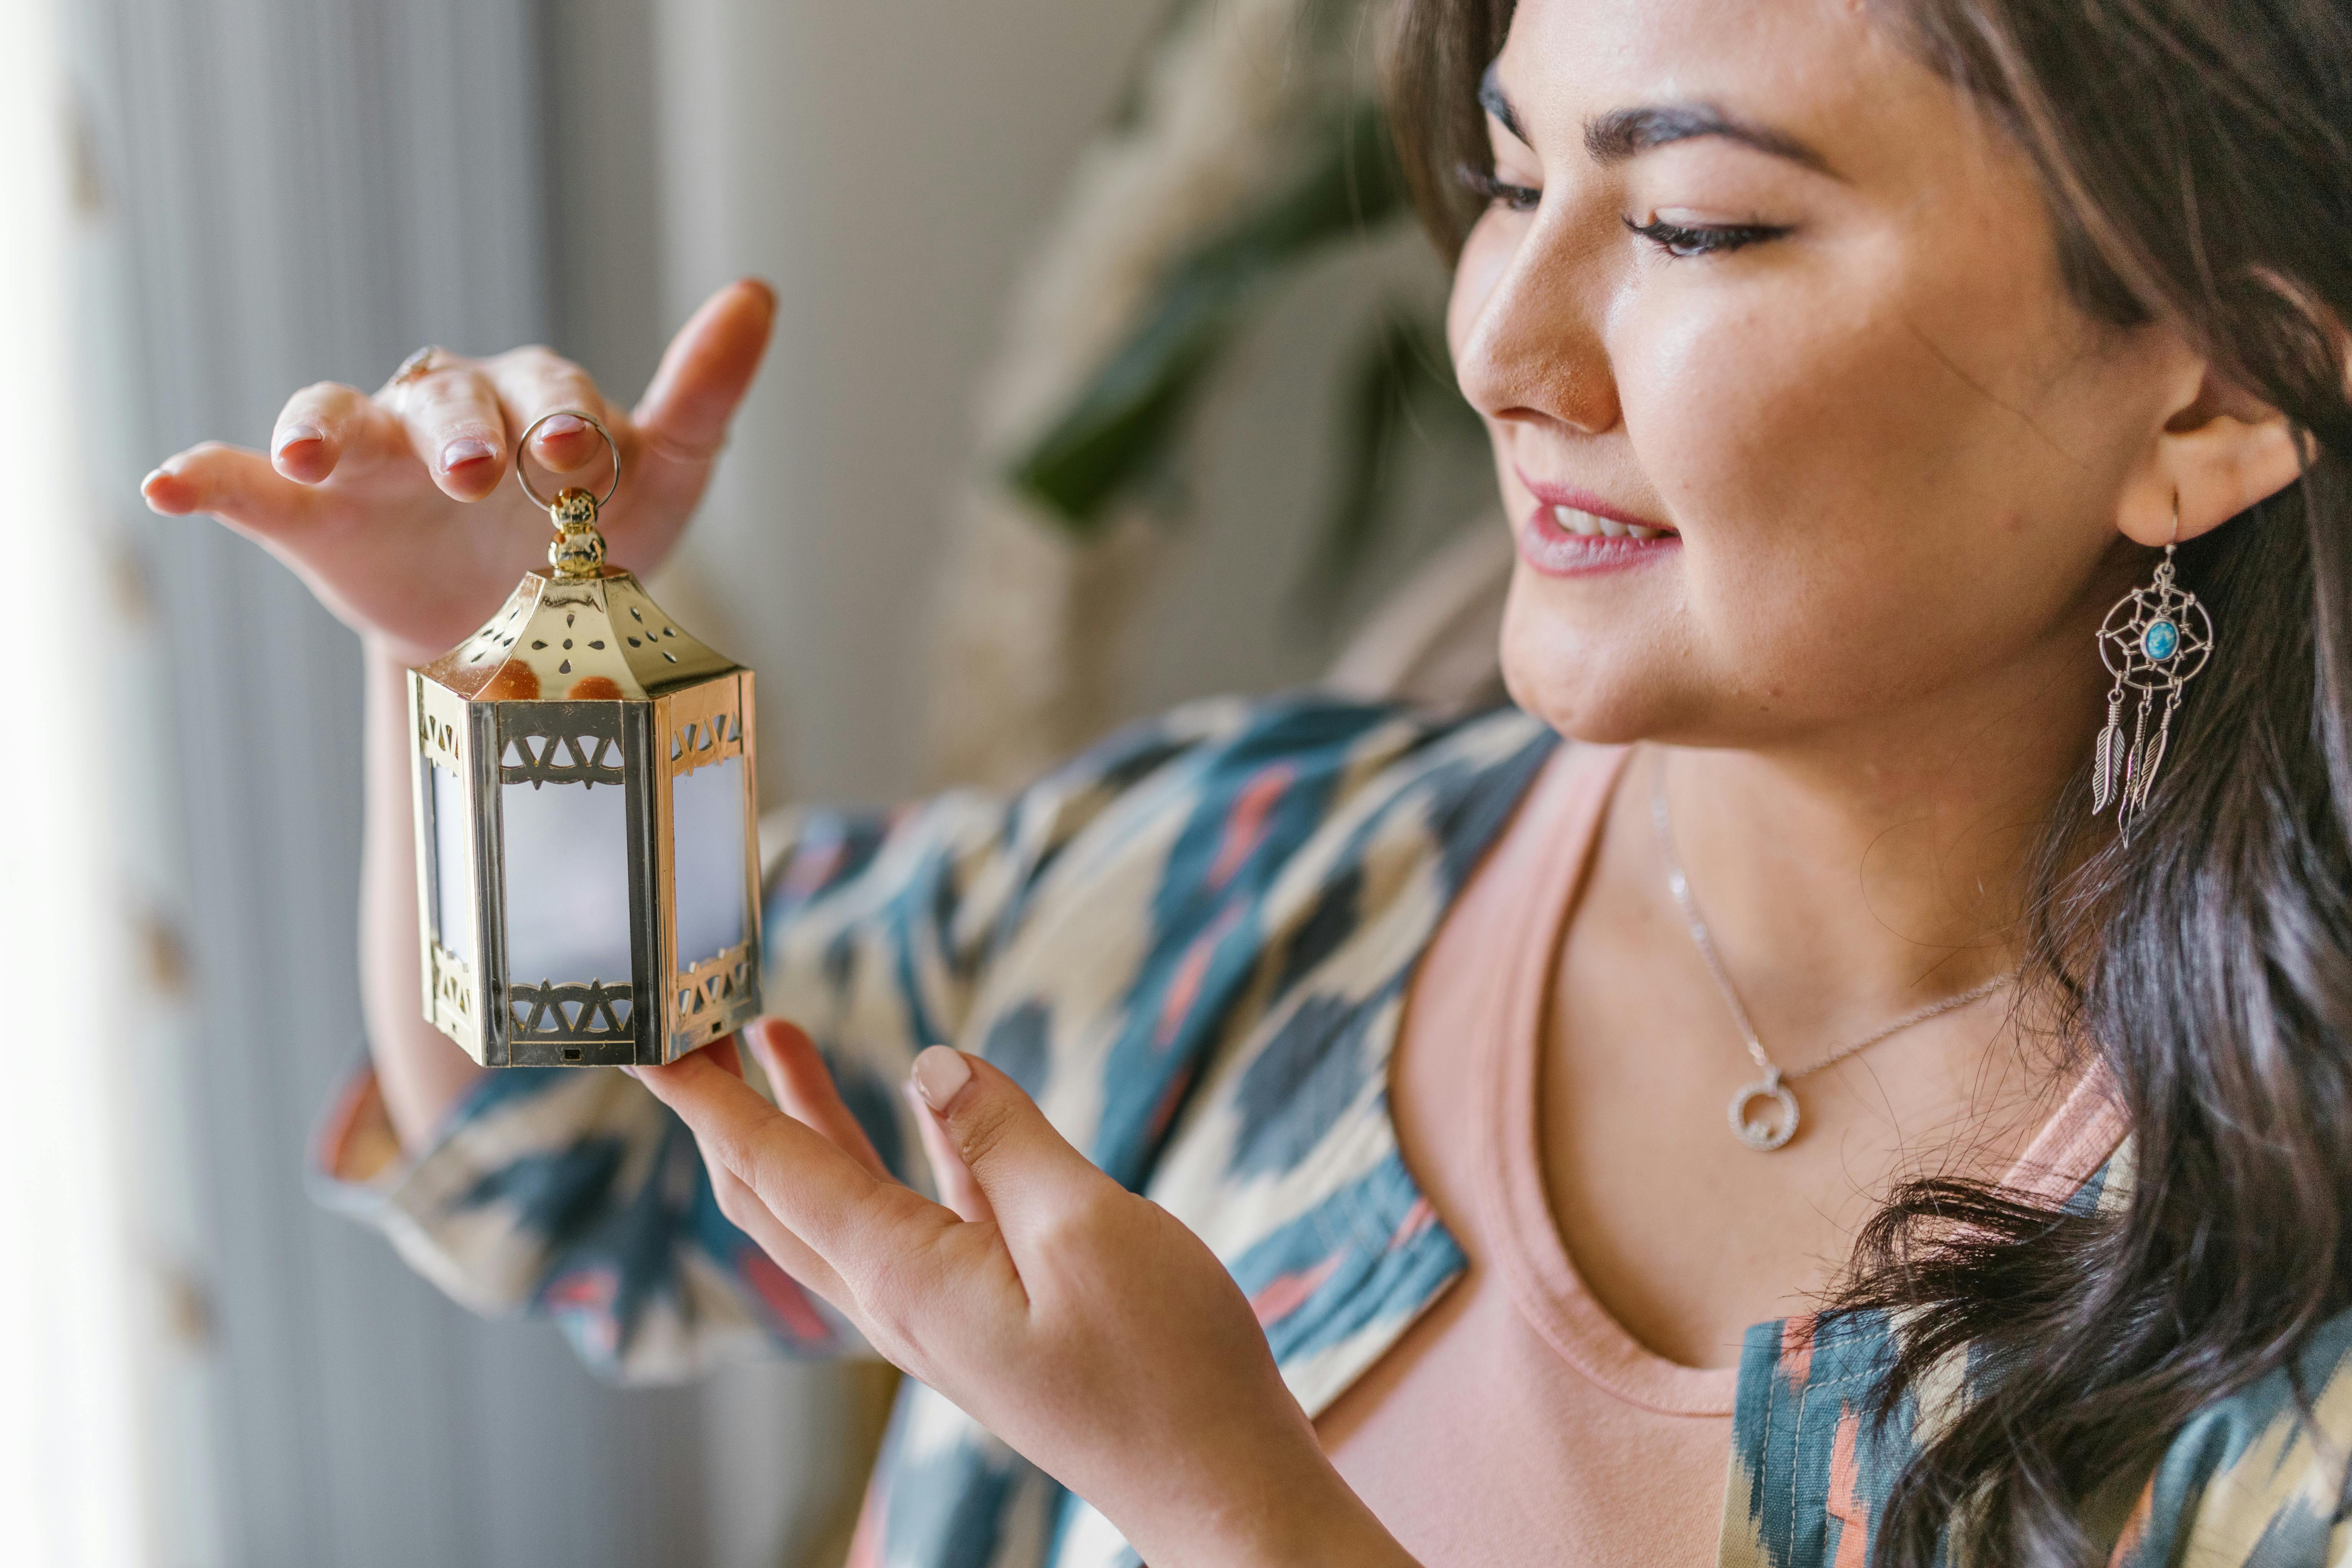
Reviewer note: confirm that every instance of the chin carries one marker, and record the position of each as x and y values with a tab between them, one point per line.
1594	673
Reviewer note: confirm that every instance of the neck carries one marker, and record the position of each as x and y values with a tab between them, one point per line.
1848	875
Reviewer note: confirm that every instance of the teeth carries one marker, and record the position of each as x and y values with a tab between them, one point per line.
1591	526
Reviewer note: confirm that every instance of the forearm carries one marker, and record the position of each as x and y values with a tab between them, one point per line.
421	1073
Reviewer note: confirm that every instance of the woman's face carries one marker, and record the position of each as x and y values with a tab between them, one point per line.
1756	279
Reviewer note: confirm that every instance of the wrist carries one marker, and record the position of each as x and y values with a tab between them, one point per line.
1298	1515
1331	1529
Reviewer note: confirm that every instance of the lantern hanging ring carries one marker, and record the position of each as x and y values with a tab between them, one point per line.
522	475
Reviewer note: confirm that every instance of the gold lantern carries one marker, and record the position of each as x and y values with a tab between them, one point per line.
587	860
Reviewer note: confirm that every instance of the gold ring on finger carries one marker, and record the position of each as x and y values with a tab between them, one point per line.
417	366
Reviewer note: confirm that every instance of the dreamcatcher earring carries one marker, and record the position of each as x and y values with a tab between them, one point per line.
2154	640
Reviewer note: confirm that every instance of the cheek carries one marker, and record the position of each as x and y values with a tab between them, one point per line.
1730	410
1846	483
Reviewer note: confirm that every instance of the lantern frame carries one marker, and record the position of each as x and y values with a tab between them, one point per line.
642	706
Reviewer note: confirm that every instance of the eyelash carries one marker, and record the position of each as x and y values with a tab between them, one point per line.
1684	241
1681	241
1483	183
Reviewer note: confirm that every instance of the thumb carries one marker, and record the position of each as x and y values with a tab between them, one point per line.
704	372
1023	1166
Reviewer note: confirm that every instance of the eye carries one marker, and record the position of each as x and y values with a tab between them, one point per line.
1498	193
1686	241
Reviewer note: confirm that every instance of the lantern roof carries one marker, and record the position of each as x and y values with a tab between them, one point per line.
580	640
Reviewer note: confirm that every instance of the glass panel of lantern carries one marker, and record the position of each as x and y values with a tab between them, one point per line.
586	800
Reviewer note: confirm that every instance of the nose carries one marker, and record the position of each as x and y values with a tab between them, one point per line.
1528	315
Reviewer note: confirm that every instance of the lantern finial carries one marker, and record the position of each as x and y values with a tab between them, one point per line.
577	551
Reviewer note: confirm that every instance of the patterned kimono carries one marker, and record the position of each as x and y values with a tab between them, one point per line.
1192	946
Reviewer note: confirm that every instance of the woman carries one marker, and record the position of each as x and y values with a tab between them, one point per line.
1844	366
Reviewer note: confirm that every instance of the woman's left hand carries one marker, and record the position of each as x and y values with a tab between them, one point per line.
1081	1324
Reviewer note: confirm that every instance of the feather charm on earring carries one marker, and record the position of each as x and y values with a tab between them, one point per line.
2155	639
2103	760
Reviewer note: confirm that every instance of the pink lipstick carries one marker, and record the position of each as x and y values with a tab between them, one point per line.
1570	533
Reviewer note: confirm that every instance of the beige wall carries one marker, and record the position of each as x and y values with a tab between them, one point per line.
886	164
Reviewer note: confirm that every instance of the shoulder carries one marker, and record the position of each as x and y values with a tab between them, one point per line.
1309	754
2257	1480
1208	778
1344	746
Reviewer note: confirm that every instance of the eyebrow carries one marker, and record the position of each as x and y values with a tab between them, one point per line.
1621	134
1497	102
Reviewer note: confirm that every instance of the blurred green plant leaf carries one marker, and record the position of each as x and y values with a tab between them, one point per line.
1117	433
1399	394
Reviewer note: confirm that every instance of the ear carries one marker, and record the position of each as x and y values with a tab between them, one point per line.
2221	450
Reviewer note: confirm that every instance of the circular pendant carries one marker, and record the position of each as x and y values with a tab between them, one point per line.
1764	1136
2156	637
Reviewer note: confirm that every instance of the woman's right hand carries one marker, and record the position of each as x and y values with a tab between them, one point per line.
371	500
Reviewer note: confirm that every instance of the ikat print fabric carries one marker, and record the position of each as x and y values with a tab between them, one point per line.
1192	946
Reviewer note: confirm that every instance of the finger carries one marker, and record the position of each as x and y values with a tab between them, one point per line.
722	1051
536	382
236	486
957	1188
457	427
1025	1168
851	1218
704	374
741	1205
806	1090
328	425
744	1210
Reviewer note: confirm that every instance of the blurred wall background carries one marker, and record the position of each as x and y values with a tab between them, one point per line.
275	192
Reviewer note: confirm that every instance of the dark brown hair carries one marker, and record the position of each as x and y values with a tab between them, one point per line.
2196	164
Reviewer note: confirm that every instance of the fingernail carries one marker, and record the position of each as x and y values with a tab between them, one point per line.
153	475
940	1076
630	1070
561	425
296	435
458	453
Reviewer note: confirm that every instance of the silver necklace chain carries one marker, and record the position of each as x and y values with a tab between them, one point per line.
1758	1134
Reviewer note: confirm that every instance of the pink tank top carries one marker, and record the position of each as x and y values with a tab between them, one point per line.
1518	1423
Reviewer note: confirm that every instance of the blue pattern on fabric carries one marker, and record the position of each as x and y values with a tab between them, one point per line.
553	1193
1193	944
1369	1251
1254	802
1305	1079
946	1508
873	1102
1018	1043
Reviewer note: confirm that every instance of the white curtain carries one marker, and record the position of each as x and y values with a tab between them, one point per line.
73	1473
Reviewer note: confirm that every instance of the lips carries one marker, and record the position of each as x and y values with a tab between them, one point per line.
1570	533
